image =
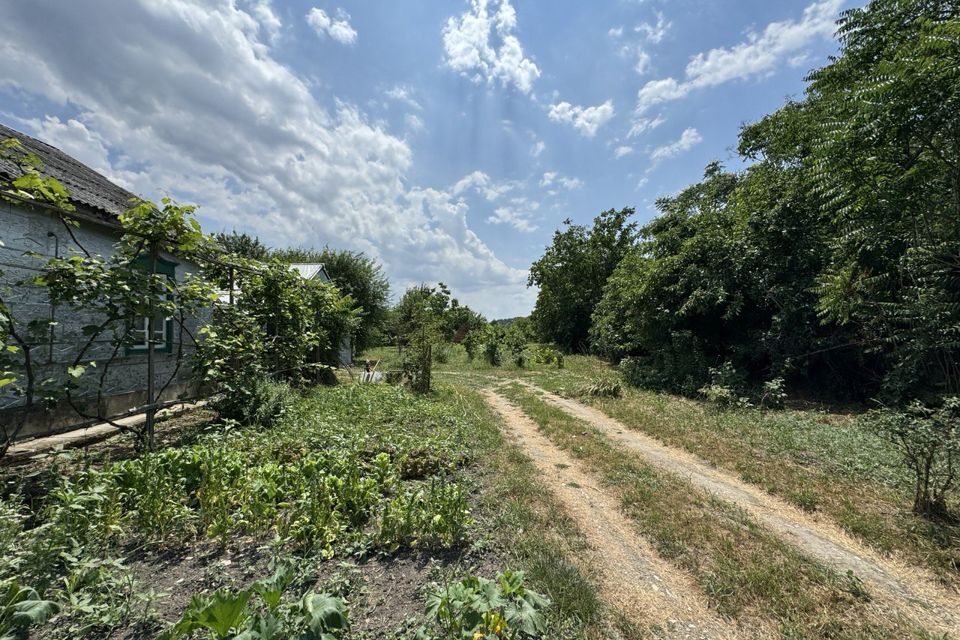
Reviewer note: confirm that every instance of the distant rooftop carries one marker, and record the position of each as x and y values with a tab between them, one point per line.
310	271
88	189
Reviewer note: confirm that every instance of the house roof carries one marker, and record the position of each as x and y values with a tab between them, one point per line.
311	271
88	189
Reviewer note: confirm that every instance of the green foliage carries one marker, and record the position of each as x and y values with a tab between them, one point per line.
304	320
548	355
601	388
516	343
476	607
572	273
21	608
229	614
928	437
493	345
355	275
352	468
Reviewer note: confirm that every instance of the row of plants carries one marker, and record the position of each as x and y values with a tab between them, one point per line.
347	471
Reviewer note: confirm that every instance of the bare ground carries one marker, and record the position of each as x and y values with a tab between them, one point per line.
908	589
649	592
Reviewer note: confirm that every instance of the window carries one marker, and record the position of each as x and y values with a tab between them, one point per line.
162	325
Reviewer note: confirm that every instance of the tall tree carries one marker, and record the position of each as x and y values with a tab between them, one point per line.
572	273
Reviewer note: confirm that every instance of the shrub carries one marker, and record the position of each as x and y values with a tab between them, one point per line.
928	437
261	404
477	607
441	352
517	344
726	387
773	394
492	351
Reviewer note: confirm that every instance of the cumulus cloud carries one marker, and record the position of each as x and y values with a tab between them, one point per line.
586	120
337	28
537	148
759	55
615	32
240	134
622	151
517	215
263	11
482	183
482	45
688	139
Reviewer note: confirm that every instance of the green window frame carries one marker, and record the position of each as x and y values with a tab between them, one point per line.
169	269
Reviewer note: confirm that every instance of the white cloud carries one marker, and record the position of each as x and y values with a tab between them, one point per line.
484	185
404	94
483	47
413	122
518	218
759	55
642	125
643	62
338	27
551	178
537	148
269	22
688	139
585	119
615	32
654	33
243	136
622	151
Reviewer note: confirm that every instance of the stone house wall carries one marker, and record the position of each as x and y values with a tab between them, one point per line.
25	229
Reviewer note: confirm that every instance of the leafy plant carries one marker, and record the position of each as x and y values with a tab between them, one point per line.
601	388
21	608
476	607
929	439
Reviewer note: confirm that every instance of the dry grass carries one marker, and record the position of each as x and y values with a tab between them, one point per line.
748	574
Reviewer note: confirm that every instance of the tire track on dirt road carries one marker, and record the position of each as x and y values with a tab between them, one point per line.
650	592
909	589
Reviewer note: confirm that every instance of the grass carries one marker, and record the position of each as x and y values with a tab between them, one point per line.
747	573
531	528
820	460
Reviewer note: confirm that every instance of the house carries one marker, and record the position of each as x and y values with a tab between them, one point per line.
30	235
316	271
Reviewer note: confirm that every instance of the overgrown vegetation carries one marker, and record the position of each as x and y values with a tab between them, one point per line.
830	264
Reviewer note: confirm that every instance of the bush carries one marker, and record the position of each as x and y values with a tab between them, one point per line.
726	387
517	344
477	607
928	437
492	351
262	404
441	353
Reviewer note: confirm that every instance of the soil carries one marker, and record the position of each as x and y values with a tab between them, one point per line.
648	591
908	589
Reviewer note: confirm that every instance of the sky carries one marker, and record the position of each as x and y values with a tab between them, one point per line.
449	140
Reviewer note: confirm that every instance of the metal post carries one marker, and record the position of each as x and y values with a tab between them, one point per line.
151	409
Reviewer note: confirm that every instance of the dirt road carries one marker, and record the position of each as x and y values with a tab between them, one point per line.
907	589
650	592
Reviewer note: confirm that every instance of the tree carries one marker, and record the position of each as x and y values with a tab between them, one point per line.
572	273
358	276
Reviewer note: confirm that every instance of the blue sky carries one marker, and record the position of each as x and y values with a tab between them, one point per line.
448	139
